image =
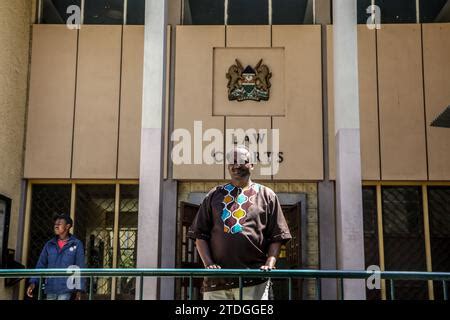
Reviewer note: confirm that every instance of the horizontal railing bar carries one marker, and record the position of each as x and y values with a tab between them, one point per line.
249	273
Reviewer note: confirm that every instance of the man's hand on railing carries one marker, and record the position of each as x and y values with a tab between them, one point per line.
30	290
270	264
78	295
213	266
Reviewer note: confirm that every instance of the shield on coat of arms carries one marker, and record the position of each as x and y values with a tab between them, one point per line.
249	83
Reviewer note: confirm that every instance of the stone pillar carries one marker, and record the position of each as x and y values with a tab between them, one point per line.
150	179
349	220
326	200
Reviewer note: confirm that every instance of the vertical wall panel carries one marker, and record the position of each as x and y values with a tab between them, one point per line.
248	36
131	102
301	128
51	102
245	37
367	72
330	92
436	56
97	106
193	92
368	104
402	126
255	123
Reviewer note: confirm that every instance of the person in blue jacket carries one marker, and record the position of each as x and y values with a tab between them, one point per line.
61	252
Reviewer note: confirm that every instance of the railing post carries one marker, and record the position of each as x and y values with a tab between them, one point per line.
141	286
290	287
190	287
444	287
91	287
240	287
290	275
40	288
318	290
391	282
341	288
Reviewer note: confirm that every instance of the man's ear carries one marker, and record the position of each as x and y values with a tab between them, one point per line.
252	166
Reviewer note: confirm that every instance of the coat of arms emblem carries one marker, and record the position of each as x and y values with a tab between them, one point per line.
249	83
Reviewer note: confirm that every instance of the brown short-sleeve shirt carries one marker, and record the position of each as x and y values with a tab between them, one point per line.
239	224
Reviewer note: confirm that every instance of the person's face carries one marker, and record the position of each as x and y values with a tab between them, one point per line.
61	227
240	169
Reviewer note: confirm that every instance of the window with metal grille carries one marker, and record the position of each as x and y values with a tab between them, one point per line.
404	243
94	223
46	201
439	217
292	256
187	256
371	248
127	250
95	215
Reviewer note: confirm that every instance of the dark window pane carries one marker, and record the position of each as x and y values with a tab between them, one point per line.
248	12
207	12
127	250
362	6
55	11
397	11
371	251
292	12
439	216
431	9
136	12
404	243
103	12
94	225
5	213
46	201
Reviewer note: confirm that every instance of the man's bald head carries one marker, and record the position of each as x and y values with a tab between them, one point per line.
239	154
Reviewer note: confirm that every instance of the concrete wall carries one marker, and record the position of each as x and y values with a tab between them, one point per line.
15	20
85	102
403	86
49	142
293	54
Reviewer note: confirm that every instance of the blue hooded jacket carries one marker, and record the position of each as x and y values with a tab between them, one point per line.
72	254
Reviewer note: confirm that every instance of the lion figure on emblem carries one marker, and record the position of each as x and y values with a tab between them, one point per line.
234	76
262	76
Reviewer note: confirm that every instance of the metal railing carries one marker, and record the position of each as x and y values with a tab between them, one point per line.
288	274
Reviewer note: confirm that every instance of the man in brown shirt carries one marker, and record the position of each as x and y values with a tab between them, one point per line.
239	225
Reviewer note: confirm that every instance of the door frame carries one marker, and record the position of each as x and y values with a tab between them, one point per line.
286	199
